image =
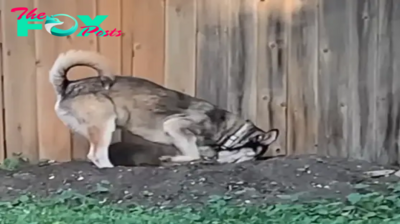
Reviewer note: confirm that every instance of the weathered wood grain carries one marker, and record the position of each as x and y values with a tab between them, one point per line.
212	51
2	131
1	25
388	84
127	37
19	68
242	58
180	48
127	51
144	21
226	58
302	110
362	50
333	78
80	145
111	46
54	137
271	74
346	82
149	37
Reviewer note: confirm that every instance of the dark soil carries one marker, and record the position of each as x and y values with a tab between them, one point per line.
309	177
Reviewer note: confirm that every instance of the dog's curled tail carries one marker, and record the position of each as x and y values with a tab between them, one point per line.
72	58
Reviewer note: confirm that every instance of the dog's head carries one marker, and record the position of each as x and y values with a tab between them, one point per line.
260	141
255	148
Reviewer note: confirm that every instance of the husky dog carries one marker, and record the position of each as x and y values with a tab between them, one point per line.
95	107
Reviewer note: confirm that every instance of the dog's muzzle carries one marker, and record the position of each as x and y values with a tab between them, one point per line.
240	140
236	140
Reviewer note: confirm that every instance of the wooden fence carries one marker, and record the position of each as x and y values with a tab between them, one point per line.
325	72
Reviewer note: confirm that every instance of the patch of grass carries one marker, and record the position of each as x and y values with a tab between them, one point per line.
73	208
14	162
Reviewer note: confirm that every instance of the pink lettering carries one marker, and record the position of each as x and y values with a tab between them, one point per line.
112	32
87	29
99	34
41	15
30	15
25	9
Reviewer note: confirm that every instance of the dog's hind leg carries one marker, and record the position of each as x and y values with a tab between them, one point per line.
94	117
177	127
100	139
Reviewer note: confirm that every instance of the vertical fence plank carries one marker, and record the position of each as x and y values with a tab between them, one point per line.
302	114
2	137
248	20
180	53
149	37
54	136
127	10
333	77
388	83
222	73
19	84
361	50
242	58
80	145
346	82
143	43
247	34
127	46
111	46
212	51
271	74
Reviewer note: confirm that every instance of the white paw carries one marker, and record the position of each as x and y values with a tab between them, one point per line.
90	156
104	165
100	162
227	156
236	156
244	159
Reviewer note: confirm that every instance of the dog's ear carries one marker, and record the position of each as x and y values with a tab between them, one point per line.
268	137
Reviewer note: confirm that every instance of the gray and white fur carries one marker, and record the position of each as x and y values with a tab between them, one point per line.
158	114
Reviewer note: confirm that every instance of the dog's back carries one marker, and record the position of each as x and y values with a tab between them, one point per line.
139	152
95	107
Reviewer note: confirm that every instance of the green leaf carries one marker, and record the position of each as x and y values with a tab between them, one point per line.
361	186
354	198
370	215
293	197
101	189
23	198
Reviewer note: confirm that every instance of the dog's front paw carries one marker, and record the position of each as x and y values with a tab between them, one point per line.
102	166
227	156
165	158
100	162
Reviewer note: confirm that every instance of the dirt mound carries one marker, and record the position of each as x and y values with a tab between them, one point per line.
309	177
